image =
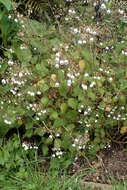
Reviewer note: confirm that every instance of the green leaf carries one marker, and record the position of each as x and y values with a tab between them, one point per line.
66	142
39	131
29	133
45	150
57	143
44	87
63	89
53	115
63	108
58	123
42	70
7	4
23	55
29	125
72	103
61	75
44	100
71	116
91	95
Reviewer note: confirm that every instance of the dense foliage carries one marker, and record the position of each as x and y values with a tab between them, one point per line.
63	90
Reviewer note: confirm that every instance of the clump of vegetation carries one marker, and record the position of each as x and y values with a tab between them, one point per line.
63	90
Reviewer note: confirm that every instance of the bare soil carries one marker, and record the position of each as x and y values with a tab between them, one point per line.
109	164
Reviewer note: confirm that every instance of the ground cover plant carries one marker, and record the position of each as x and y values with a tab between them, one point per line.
63	81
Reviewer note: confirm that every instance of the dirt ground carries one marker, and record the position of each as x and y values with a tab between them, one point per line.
109	164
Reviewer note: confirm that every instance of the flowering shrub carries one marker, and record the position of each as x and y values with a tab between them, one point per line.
67	89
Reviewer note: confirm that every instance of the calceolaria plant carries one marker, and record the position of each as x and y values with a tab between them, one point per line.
66	91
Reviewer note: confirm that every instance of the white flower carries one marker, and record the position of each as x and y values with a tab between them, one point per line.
11	50
89	109
9	16
50	136
84	41
108	11
57	59
35	147
110	79
76	140
57	84
20	74
85	112
94	33
86	74
7	122
57	66
71	11
22	47
25	146
38	92
123	108
13	92
80	41
37	118
66	62
69	82
61	62
88	30
121	11
79	147
39	114
79	110
125	53
103	6
107	48
31	93
73	145
92	84
91	39
77	74
3	81
43	111
57	54
84	87
10	63
98	78
66	18
16	20
75	30
57	153
69	75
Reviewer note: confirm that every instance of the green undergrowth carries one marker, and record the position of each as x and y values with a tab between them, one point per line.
25	171
62	87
